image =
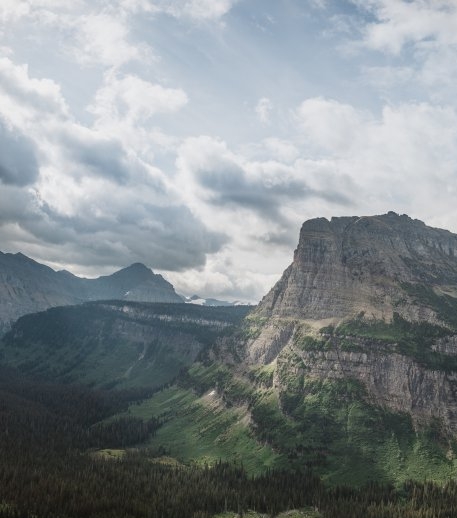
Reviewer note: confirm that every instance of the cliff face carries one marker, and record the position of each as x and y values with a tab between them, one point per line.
348	265
27	286
372	300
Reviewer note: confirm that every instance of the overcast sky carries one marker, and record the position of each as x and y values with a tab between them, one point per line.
196	136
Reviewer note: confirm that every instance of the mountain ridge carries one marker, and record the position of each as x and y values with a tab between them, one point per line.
27	286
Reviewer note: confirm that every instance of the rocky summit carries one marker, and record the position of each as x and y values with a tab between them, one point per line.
352	264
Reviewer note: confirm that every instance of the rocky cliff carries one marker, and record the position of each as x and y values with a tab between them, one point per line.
347	265
27	286
369	299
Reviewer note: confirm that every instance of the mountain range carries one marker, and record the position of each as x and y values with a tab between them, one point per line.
27	286
348	366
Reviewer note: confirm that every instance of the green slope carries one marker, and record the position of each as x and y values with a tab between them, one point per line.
115	343
218	414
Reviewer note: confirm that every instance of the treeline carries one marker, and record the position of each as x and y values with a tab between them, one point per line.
76	486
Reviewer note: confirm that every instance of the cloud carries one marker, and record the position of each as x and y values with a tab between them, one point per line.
95	202
103	38
329	125
18	163
197	10
258	202
226	277
92	33
404	158
225	180
108	227
420	39
134	100
263	110
30	95
400	22
90	153
281	150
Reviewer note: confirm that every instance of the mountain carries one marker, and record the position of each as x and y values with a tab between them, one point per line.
348	365
348	265
27	286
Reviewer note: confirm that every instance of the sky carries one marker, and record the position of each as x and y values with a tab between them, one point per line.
196	136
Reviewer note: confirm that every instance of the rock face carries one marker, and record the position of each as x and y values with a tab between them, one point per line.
370	299
27	286
348	265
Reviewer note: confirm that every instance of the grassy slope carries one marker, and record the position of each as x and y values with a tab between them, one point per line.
356	440
200	429
325	424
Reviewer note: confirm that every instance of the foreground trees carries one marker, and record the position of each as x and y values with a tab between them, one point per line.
47	469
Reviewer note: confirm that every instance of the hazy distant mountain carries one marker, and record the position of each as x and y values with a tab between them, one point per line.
27	286
202	301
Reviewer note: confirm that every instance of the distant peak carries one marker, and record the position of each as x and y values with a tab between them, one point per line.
140	267
136	272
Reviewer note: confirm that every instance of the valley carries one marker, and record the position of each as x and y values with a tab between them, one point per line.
344	377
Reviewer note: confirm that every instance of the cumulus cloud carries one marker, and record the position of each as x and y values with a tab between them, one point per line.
91	153
87	200
133	99
402	159
399	22
280	149
227	277
103	38
223	179
11	10
29	95
328	124
18	163
426	31
108	227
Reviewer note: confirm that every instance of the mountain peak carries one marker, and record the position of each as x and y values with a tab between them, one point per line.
352	264
136	271
27	286
138	267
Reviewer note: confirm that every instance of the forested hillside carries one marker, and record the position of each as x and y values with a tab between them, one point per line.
63	472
